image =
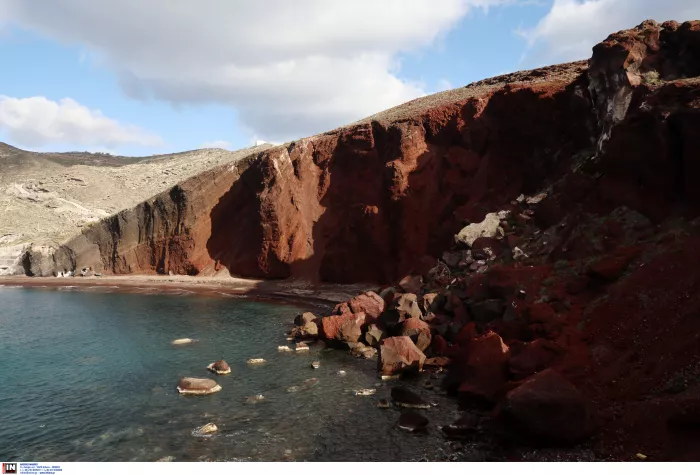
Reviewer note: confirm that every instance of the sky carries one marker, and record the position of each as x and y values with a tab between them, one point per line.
142	77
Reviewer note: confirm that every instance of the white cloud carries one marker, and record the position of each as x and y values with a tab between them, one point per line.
36	121
289	68
217	144
573	27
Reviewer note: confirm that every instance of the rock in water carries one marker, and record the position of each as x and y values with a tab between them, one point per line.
284	349
255	399
256	361
315	364
197	386
301	346
304	318
462	428
183	341
406	398
383	404
219	367
546	408
412	421
206	429
365	392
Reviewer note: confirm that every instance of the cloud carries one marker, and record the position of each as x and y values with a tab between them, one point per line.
573	27
290	69
37	121
217	144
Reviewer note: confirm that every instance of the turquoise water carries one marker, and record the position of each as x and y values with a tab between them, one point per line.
91	377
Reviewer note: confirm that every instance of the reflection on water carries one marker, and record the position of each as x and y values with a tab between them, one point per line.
91	377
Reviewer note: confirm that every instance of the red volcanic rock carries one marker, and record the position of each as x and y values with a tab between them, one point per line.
411	284
371	304
418	331
437	361
406	305
346	327
399	354
541	312
533	357
480	370
373	335
466	334
609	269
342	308
546	408
439	345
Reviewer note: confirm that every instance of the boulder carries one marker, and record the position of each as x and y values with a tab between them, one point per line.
374	335
432	302
304	318
197	386
341	309
487	228
402	307
488	310
439	345
361	351
411	284
206	429
546	408
452	259
399	354
480	370
466	334
183	341
346	327
532	358
369	303
309	329
412	421
219	367
418	331
463	428
404	397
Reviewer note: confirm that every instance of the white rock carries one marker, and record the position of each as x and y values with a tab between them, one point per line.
256	361
183	341
365	392
487	228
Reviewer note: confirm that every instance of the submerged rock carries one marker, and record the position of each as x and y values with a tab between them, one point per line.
206	429
384	404
220	367
315	364
255	399
283	349
301	346
183	341
412	421
406	398
197	386
365	392
256	361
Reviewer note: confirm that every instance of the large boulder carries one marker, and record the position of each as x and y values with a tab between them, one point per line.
487	228
197	386
418	331
369	303
399	354
533	357
342	328
546	408
480	371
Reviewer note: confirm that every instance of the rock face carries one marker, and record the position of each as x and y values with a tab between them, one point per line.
546	408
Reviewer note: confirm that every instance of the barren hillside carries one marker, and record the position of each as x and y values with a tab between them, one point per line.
46	198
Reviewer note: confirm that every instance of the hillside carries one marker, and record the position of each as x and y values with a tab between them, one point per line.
47	198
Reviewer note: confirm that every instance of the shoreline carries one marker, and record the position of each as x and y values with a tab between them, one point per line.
292	292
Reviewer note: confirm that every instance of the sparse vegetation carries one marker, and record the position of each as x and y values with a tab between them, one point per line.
651	78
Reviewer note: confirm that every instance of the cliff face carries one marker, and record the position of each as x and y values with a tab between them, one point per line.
383	198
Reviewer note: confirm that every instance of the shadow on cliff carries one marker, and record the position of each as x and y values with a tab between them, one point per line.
391	198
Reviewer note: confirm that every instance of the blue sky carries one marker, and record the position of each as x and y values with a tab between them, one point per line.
133	78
